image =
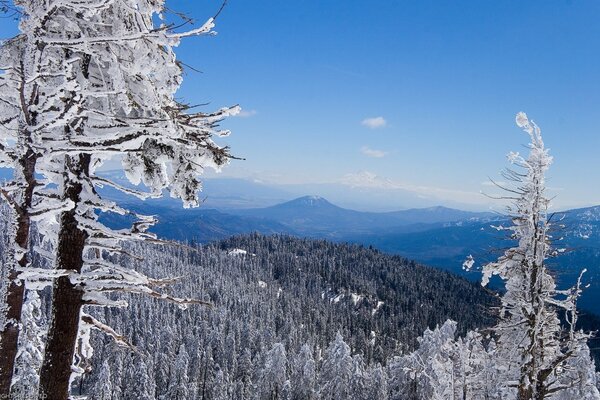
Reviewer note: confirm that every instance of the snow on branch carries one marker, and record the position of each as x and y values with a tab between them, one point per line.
119	339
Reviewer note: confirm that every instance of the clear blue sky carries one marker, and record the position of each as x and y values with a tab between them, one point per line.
447	77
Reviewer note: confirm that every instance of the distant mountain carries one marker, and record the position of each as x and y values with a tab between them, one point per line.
316	217
436	236
198	225
447	246
438	214
309	216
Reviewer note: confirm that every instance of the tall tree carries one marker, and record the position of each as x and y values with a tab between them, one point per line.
103	389
179	380
533	346
303	375
36	95
113	75
152	132
274	374
335	380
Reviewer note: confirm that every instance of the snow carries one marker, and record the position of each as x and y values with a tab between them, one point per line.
469	262
379	304
337	298
584	231
236	252
356	298
240	252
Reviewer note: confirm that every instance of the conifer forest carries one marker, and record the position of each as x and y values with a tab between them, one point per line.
159	240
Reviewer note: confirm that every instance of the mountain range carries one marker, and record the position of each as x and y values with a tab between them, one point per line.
438	236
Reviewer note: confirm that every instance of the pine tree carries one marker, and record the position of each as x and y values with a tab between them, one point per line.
114	81
475	368
274	373
244	374
303	375
103	389
335	380
179	380
532	346
360	379
428	372
36	95
29	357
378	383
220	390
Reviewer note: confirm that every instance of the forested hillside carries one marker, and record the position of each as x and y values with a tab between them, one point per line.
110	291
273	297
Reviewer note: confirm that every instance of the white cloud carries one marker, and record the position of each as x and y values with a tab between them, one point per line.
374	123
372	152
246	113
366	179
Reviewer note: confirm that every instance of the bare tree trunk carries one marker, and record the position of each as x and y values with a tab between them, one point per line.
66	298
9	335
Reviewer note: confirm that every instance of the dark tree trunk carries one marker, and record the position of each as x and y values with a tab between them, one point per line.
9	335
66	298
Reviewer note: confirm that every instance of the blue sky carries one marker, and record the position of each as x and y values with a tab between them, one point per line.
411	95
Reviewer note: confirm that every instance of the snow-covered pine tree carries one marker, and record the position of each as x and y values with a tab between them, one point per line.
221	385
274	374
244	375
36	95
117	72
428	372
378	383
29	357
103	389
536	353
303	375
360	379
475	368
335	380
179	380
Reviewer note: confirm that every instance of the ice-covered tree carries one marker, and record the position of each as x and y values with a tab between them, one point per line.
303	375
112	75
428	372
335	380
274	374
37	87
475	368
179	381
103	389
536	354
378	383
360	379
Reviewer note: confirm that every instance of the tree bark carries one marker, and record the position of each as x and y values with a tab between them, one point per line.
66	298
9	335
